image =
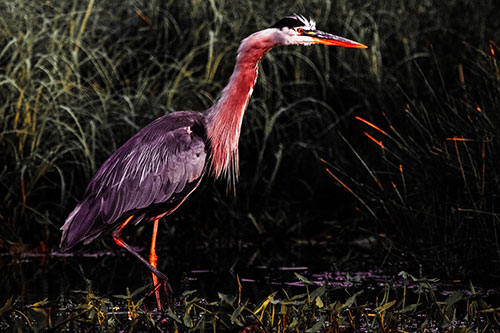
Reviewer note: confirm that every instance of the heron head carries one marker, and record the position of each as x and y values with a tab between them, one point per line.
297	30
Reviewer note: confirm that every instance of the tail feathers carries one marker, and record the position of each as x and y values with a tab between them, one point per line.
79	226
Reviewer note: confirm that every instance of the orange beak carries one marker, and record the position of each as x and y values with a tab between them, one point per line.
320	37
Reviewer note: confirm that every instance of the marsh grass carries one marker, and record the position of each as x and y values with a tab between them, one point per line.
81	78
431	180
396	143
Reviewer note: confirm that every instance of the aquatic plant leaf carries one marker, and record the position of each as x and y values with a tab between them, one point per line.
133	294
236	314
228	299
7	306
296	303
336	307
39	307
103	313
40	304
172	315
294	323
355	278
188	292
262	307
454	297
303	279
195	300
408	308
472	289
319	303
200	324
424	325
385	306
188	321
318	326
91	314
297	297
482	305
350	301
423	280
318	292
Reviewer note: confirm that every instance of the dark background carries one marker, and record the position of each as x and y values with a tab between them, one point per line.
319	186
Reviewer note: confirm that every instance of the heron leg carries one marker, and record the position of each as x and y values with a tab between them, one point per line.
153	258
119	240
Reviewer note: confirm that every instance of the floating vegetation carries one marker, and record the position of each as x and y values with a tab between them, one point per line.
406	304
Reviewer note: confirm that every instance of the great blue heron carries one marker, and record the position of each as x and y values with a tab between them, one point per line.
160	166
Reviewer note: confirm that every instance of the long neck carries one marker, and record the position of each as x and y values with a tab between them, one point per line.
223	120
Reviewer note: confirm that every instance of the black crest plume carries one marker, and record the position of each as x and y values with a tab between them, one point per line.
293	22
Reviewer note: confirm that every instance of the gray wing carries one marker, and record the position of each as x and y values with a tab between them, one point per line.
154	168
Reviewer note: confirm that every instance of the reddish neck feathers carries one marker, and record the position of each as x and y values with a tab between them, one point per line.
225	117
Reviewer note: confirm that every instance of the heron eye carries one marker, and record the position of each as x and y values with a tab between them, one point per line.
300	31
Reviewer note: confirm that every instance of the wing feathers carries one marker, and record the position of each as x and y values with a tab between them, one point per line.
158	162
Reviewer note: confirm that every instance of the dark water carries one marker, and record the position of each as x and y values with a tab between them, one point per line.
33	277
36	276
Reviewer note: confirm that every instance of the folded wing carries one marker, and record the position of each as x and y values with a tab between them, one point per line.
151	174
